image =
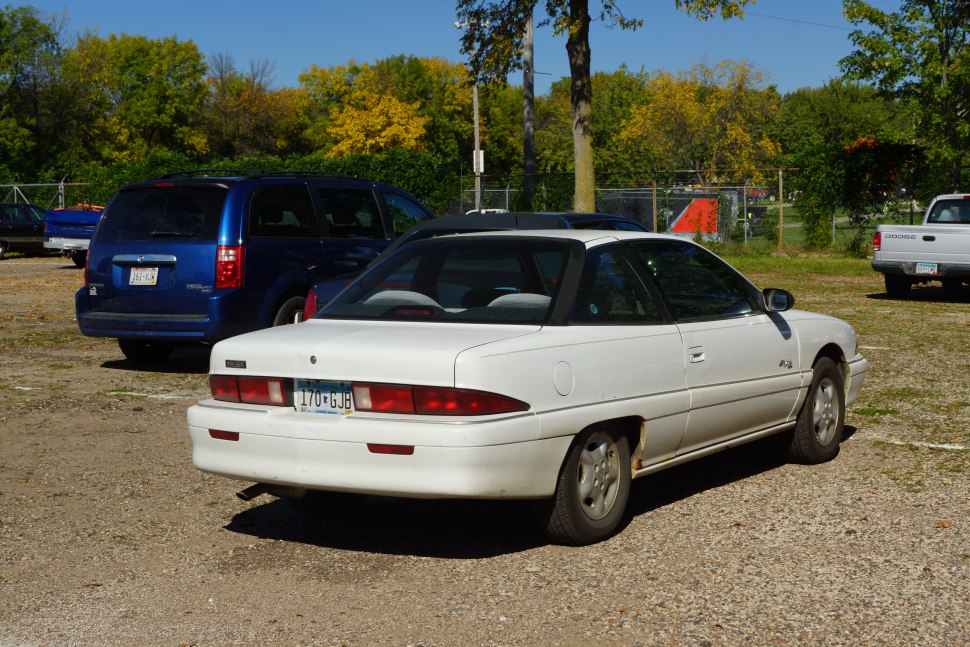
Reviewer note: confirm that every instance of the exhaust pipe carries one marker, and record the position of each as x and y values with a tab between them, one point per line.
281	491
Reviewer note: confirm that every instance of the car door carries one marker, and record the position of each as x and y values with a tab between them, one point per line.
741	362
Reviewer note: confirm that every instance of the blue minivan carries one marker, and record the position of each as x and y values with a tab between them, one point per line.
194	258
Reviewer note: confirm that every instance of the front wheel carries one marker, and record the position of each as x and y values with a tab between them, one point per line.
290	312
592	490
818	430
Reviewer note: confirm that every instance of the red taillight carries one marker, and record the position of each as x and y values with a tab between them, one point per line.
432	401
462	402
398	450
230	266
310	307
262	390
224	387
250	390
384	398
877	241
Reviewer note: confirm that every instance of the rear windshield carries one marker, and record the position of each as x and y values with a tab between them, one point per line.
950	211
174	212
481	280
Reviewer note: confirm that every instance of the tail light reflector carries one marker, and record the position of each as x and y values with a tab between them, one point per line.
224	435
230	266
877	241
398	450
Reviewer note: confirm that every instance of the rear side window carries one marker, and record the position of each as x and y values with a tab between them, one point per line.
611	292
282	211
350	213
151	213
404	213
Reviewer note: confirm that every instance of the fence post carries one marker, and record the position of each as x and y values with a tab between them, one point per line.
781	209
655	206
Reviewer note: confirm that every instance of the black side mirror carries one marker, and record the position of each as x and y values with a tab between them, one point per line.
778	300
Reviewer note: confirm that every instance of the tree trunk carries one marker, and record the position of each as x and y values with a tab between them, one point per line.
581	94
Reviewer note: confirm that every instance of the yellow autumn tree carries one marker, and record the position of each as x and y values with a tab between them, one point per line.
369	123
705	119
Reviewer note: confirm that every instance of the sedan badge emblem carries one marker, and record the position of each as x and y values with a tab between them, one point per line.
786	363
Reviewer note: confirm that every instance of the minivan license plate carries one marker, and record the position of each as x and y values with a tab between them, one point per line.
926	268
143	276
322	397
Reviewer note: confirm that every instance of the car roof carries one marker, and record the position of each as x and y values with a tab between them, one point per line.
586	236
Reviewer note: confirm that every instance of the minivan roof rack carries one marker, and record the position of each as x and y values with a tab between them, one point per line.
318	174
209	172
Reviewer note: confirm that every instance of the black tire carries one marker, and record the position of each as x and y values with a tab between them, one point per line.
146	352
592	491
952	287
818	430
78	257
4	246
318	504
290	312
897	286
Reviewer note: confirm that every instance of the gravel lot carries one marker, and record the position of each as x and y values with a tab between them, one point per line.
109	536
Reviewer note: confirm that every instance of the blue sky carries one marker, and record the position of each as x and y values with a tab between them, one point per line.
798	43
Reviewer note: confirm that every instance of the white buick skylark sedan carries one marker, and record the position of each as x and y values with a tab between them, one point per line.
553	366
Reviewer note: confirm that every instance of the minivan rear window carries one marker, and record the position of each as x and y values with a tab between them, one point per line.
171	212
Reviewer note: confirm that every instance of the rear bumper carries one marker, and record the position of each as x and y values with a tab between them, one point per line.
68	244
496	459
908	268
226	317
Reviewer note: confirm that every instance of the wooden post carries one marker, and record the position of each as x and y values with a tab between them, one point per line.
654	206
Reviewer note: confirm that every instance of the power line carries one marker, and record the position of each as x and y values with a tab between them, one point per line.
801	22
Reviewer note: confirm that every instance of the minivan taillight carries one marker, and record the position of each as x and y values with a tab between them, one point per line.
230	266
310	307
877	241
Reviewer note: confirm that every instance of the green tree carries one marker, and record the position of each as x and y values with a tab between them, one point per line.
709	119
148	94
919	54
30	53
493	42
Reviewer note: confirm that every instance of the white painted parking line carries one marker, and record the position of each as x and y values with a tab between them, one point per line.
915	443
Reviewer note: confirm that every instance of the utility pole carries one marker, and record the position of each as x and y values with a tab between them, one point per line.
528	114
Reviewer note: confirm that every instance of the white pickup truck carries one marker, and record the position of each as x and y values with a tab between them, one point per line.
937	250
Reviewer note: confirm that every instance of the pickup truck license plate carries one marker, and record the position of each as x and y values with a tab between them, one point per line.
143	276
926	268
322	397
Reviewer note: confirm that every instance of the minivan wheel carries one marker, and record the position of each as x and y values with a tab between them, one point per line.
290	312
146	352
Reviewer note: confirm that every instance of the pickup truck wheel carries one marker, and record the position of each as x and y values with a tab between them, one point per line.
4	245
146	352
592	490
897	286
952	286
818	430
290	312
78	257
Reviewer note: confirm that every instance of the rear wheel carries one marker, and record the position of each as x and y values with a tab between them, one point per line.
592	491
290	312
78	257
4	246
818	431
146	352
897	286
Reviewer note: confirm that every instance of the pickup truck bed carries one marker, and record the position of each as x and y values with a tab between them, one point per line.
70	230
937	250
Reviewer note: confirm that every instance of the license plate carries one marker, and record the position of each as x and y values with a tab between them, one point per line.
143	276
926	268
322	397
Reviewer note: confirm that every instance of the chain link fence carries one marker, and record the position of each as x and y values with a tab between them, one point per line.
733	209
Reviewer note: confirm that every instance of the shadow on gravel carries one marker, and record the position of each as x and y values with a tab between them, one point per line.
926	294
189	359
455	529
448	529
